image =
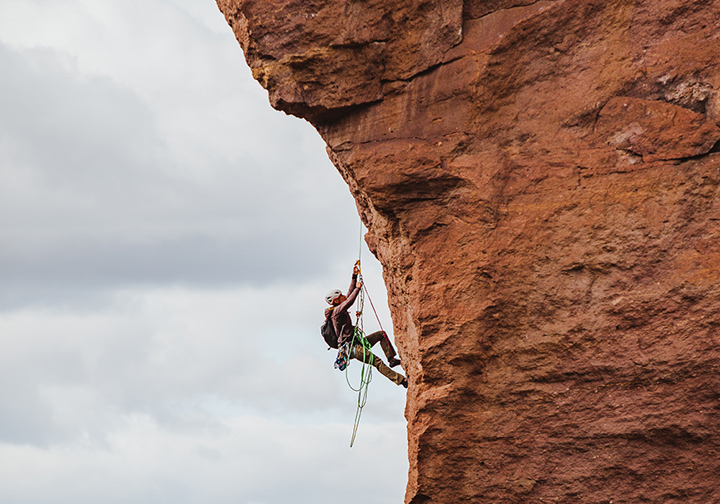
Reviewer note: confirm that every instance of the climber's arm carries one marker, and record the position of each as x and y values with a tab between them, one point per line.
351	297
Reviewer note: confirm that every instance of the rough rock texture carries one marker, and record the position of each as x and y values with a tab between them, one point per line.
541	182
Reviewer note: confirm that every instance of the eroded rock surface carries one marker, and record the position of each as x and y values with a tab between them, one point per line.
540	180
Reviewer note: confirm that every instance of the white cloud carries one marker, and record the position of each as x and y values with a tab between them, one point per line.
192	388
250	460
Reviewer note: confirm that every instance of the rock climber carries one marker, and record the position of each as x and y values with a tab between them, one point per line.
344	329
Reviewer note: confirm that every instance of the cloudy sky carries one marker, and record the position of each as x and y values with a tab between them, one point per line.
162	266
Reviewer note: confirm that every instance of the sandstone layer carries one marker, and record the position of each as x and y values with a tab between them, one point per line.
540	180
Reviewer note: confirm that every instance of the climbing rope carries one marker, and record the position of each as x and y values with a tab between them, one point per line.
359	340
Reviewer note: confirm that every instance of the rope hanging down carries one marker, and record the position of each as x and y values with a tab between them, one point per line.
359	339
366	368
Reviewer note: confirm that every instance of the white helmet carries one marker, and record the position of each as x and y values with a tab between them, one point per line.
333	295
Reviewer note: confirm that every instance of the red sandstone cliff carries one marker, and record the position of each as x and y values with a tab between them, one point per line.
540	182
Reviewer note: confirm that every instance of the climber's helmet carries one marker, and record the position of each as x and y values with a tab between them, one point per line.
333	295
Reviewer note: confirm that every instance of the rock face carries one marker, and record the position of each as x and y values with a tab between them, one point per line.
540	180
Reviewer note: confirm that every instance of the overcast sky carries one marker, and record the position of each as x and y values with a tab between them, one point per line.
163	263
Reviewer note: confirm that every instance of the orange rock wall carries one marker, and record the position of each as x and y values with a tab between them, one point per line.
540	180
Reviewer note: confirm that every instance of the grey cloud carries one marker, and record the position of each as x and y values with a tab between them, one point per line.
197	260
95	199
68	128
25	419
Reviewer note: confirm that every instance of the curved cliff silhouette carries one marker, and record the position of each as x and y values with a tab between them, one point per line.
540	183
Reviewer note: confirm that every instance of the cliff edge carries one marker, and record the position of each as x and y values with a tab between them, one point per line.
540	181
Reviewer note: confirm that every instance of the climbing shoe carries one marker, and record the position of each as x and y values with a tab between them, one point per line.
393	361
404	383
